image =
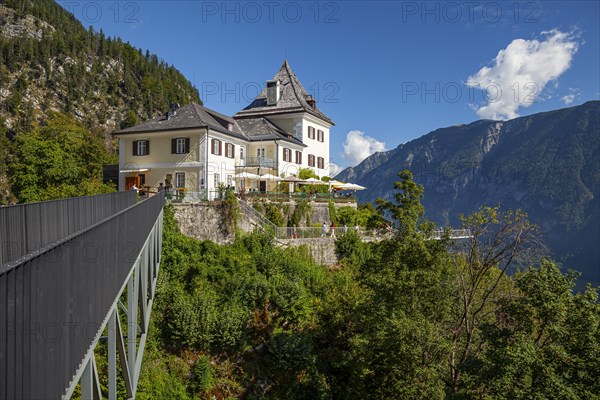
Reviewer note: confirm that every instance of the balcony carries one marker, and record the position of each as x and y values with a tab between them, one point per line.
262	162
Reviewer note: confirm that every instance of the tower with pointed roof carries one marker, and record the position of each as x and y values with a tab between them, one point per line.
285	103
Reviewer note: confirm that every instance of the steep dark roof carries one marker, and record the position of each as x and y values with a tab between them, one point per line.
188	117
294	98
257	129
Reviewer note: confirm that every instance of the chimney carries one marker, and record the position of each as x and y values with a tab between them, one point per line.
273	93
173	107
311	101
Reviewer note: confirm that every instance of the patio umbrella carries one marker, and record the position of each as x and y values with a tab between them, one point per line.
247	175
315	181
270	177
293	179
350	186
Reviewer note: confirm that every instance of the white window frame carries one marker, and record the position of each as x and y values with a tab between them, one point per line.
229	180
260	152
179	179
216	144
180	146
142	147
287	154
229	150
217	180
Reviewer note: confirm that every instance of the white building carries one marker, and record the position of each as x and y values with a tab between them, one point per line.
197	149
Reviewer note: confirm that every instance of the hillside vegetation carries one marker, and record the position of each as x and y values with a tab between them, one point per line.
546	164
50	65
400	319
50	62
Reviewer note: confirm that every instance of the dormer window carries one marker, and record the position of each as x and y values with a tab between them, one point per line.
272	93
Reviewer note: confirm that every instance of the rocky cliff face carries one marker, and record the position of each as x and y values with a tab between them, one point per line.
50	63
547	164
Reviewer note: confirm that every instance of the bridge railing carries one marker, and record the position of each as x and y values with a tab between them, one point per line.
309	232
25	228
55	303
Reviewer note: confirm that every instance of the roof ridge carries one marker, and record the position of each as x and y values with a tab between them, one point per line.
197	113
290	72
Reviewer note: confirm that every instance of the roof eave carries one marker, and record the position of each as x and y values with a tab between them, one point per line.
254	114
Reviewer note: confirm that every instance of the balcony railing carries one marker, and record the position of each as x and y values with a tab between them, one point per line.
257	162
295	196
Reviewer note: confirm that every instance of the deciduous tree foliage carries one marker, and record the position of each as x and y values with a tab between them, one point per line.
406	318
58	159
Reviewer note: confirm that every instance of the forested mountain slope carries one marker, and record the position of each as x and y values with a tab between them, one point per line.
50	62
547	164
50	65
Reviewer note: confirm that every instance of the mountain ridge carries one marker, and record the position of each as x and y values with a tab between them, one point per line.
546	164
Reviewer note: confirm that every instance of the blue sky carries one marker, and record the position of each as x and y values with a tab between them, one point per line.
386	72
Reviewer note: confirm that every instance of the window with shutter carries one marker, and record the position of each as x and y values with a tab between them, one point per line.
216	147
180	147
287	154
229	150
298	157
321	163
311	160
141	148
320	136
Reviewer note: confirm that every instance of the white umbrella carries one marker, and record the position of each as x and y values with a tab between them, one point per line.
314	181
293	179
350	186
270	177
247	175
335	183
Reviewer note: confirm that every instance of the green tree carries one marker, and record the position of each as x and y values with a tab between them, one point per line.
545	343
306	173
59	159
500	240
398	347
6	196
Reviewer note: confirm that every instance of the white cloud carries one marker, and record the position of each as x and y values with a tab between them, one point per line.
334	169
569	98
357	146
520	72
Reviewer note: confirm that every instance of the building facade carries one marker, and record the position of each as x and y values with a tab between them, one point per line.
197	150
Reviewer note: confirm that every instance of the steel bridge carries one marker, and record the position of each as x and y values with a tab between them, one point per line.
74	273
